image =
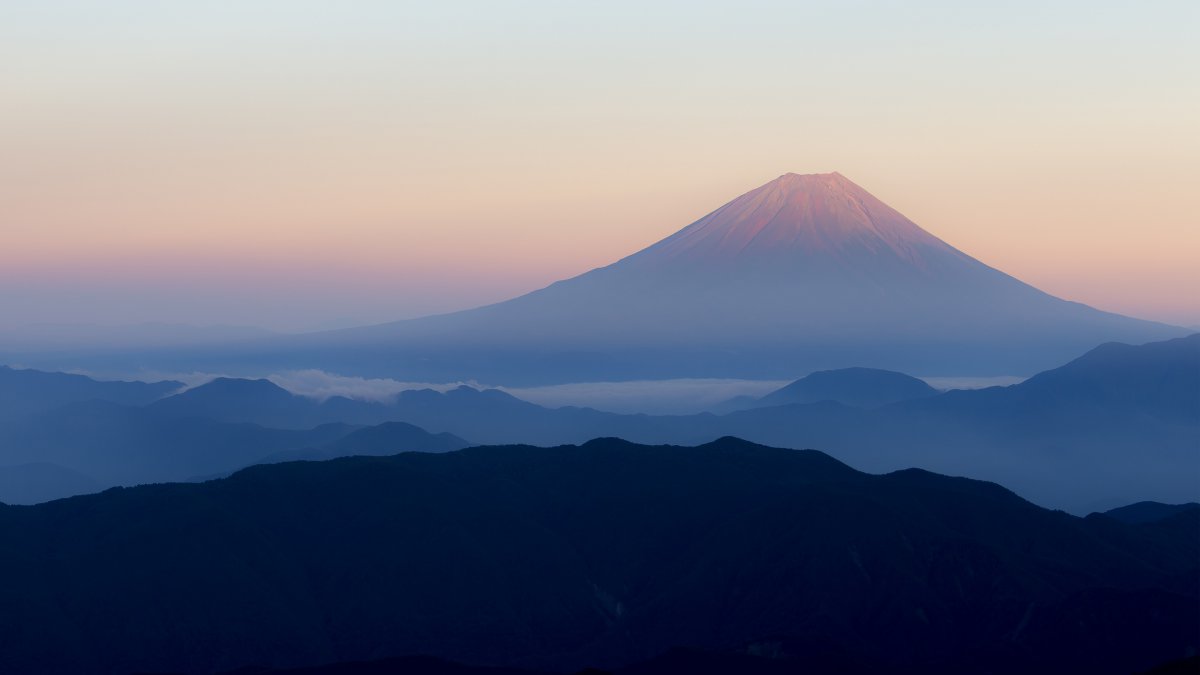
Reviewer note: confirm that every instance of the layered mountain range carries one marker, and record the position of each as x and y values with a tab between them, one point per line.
1110	420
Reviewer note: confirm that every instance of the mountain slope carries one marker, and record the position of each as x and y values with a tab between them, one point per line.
267	404
25	392
855	387
38	482
111	444
604	554
804	273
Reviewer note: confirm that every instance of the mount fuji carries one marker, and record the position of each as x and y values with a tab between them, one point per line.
805	273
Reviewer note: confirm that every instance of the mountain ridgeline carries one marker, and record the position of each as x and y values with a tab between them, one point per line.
607	554
855	387
1109	419
26	391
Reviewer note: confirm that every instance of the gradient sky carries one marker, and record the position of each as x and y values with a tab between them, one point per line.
299	164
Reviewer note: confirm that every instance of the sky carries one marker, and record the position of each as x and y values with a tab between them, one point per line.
302	165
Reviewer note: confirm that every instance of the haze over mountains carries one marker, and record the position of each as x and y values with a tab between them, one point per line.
856	387
1110	420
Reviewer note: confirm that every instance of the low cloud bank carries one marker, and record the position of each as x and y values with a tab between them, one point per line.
682	396
945	383
658	397
321	385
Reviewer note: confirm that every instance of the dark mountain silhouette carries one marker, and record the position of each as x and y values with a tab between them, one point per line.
805	273
676	662
855	387
404	665
1149	512
25	392
1185	666
609	554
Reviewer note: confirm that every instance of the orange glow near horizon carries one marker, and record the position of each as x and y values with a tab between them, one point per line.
389	164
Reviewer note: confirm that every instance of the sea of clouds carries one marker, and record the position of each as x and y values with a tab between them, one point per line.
656	397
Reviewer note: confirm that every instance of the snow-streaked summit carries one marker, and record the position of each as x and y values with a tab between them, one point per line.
803	219
801	216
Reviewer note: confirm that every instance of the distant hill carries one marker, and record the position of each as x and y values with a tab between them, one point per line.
265	403
85	447
1158	379
607	554
37	482
26	392
239	400
1149	512
855	387
109	444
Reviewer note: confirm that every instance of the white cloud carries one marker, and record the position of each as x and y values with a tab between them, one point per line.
945	383
321	385
662	397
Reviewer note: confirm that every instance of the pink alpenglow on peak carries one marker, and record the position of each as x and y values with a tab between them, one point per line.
800	215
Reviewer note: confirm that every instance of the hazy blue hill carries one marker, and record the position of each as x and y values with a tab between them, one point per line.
1110	419
241	400
1158	379
605	554
498	416
1149	512
113	444
37	482
856	387
91	445
389	438
25	392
